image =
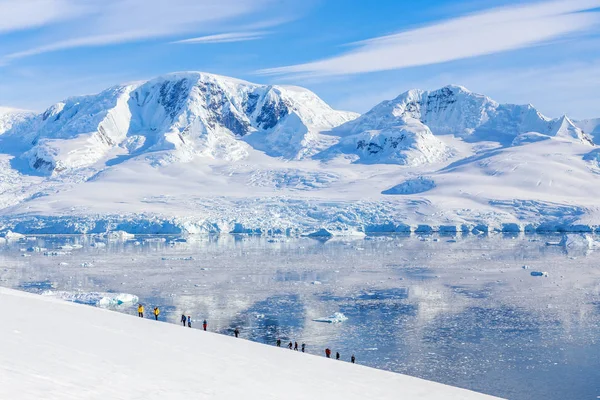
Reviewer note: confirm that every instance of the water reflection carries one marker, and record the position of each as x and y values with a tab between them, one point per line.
461	310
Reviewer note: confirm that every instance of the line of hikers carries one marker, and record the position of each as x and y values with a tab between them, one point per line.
294	346
337	355
184	320
140	310
187	320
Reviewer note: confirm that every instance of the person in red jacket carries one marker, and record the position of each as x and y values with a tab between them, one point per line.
204	324
327	353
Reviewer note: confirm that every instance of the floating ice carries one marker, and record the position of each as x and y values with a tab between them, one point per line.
36	249
157	240
538	273
321	233
119	235
121	298
10	235
332	319
56	253
94	298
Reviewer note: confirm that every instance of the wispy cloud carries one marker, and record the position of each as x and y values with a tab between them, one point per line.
492	31
101	22
225	38
16	15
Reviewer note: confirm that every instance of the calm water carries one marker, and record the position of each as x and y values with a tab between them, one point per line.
461	311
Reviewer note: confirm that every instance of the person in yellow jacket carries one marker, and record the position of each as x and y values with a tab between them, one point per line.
156	313
140	311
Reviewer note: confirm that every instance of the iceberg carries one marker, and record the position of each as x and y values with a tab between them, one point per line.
332	319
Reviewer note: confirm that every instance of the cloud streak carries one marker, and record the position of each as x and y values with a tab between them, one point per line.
224	38
492	31
102	22
17	15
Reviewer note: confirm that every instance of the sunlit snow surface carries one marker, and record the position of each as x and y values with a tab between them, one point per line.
464	311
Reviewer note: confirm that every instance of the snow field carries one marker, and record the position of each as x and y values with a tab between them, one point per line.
57	350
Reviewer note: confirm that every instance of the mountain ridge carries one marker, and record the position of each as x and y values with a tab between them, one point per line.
201	153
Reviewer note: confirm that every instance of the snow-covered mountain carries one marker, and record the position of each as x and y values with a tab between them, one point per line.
185	114
403	130
197	152
590	127
10	117
404	141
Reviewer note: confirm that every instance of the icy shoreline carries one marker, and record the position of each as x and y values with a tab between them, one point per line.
159	225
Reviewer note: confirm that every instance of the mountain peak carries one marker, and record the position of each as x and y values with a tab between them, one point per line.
178	116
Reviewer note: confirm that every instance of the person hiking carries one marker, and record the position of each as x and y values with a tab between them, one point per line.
183	319
296	346
327	353
236	332
140	311
204	324
290	345
303	347
352	359
189	321
337	355
278	342
156	313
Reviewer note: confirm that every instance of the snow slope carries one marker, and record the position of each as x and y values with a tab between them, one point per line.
57	350
200	153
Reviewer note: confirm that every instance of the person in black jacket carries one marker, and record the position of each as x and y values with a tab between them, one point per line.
183	319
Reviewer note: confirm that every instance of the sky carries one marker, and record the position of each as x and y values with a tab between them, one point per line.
352	53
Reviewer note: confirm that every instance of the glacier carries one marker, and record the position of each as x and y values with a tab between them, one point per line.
198	153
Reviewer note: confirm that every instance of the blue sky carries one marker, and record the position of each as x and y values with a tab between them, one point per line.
352	53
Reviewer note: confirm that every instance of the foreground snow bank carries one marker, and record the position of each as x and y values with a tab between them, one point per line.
50	349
